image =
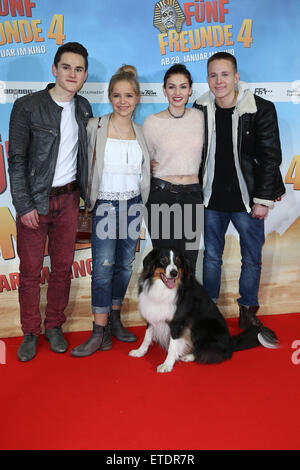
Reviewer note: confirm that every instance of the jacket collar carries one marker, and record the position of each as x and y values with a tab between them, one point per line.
52	85
245	100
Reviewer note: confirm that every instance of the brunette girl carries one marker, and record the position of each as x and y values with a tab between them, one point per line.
174	138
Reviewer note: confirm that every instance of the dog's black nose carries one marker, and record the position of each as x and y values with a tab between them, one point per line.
173	273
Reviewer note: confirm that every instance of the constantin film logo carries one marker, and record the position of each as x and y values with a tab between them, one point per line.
148	92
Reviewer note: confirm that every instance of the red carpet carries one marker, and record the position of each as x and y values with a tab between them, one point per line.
113	401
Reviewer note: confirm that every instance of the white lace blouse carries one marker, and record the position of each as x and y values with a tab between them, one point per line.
121	177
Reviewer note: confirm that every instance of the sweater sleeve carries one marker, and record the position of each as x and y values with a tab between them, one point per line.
149	134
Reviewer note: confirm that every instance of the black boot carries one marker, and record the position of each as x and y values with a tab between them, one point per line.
118	330
248	319
56	339
100	339
27	350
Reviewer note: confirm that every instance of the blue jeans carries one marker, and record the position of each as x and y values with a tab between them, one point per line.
114	238
252	237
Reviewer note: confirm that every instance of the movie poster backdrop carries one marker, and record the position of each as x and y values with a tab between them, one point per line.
153	35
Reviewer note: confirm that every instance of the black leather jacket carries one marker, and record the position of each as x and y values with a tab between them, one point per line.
258	146
34	136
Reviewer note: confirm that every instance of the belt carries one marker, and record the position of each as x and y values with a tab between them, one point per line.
175	188
67	188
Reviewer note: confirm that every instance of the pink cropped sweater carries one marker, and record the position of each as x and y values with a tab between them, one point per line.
176	144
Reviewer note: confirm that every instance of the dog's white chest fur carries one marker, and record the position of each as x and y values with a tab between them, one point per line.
157	305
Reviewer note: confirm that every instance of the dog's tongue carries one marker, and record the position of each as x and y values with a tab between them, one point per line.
170	282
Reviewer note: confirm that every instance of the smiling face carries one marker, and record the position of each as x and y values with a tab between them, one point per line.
168	269
222	79
123	98
178	91
70	75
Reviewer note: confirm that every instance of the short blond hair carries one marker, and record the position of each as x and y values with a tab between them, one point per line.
127	73
223	56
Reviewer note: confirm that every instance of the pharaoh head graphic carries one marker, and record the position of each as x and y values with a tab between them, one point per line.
168	15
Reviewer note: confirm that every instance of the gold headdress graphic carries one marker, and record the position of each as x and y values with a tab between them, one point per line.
168	15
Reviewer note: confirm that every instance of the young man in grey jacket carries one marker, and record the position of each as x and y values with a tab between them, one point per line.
48	174
240	177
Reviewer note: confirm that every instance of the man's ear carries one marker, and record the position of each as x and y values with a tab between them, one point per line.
237	77
54	70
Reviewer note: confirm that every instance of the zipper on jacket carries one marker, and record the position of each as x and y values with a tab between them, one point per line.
56	133
50	131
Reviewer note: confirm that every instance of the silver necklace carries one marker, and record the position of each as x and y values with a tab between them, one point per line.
173	115
117	131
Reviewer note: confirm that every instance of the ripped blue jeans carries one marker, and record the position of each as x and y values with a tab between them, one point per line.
115	232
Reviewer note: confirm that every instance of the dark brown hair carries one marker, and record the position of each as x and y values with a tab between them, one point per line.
74	47
178	69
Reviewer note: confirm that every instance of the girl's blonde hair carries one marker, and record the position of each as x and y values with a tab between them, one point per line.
126	73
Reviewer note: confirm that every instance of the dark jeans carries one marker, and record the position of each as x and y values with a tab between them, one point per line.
174	220
60	225
252	237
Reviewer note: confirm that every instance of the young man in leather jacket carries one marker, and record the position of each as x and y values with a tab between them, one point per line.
240	177
48	173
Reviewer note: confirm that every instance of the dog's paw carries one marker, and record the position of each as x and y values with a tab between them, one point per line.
188	358
164	368
137	353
